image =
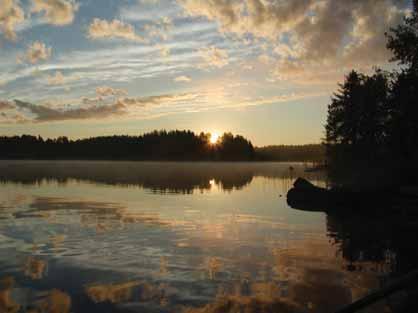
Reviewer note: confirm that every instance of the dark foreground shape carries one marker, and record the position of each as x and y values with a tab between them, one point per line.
306	196
407	283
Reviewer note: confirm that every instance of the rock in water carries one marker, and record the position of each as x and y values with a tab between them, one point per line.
302	183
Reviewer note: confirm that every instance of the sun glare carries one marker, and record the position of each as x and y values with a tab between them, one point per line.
214	138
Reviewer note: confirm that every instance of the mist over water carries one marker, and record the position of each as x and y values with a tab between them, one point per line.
79	236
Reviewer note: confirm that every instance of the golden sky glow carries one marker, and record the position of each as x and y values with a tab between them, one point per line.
214	138
264	69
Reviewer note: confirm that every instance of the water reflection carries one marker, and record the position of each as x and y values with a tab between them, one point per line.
34	268
7	304
159	177
50	301
91	237
114	293
377	244
54	301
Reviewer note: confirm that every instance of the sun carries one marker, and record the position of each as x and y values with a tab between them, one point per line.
214	138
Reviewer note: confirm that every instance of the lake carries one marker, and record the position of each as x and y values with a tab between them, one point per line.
78	236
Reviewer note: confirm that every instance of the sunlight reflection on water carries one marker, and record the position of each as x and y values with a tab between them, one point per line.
170	237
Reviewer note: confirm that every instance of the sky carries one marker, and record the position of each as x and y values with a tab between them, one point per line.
265	69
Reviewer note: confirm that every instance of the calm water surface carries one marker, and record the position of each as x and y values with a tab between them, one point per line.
180	237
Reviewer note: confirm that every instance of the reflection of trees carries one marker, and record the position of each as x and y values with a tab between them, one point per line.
377	244
309	273
159	177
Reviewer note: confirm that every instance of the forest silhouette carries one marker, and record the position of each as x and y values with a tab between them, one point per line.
372	119
157	145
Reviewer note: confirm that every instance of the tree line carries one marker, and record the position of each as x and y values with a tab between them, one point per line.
292	153
374	118
156	145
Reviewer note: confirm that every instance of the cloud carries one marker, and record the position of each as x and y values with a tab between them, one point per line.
138	107
160	29
279	99
55	80
102	29
166	99
36	52
56	12
5	105
286	51
106	91
44	113
96	108
225	12
11	15
308	33
214	57
149	1
264	59
182	79
164	51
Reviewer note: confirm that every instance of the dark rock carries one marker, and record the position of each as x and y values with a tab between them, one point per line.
306	196
302	183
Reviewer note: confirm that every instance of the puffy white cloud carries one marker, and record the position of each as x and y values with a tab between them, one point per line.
11	15
308	34
287	51
56	12
262	18
226	12
36	52
214	57
102	29
182	79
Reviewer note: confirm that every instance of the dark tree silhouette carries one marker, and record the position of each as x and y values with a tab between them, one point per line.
344	111
296	153
374	118
157	145
234	148
357	115
403	42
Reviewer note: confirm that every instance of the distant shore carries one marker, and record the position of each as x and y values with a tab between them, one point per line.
172	146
